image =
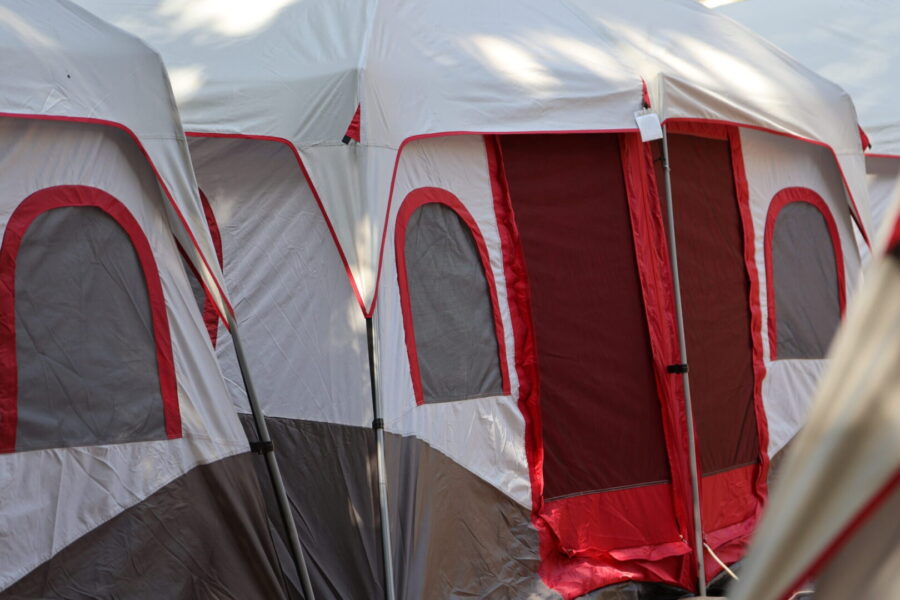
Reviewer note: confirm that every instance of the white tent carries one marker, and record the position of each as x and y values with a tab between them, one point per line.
440	219
854	44
121	459
837	522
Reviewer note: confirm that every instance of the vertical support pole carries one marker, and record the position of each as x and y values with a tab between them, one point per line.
682	347
378	426
268	449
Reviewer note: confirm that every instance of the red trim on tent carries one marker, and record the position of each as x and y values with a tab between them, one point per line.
854	209
312	187
852	526
645	95
879	155
210	316
864	139
159	178
894	240
782	199
17	226
654	269
414	200
353	128
761	489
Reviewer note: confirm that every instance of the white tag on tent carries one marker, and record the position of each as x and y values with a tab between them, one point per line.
649	125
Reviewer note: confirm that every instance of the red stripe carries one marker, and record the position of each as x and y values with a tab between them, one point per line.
18	224
414	200
782	199
312	188
853	525
756	314
210	315
159	178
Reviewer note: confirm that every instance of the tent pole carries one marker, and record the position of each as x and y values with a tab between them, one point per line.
266	447
378	426
682	368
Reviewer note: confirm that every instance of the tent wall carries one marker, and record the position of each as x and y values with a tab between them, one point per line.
774	163
883	174
305	340
119	493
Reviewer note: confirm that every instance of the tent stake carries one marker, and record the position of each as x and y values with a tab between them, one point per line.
378	426
682	348
262	432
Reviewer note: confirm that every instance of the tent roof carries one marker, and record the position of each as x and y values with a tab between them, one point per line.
852	42
61	62
297	69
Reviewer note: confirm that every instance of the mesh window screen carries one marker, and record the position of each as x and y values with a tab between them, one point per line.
85	348
450	301
807	303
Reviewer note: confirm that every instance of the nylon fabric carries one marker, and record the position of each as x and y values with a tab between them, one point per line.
598	391
85	350
452	316
710	241
807	304
171	545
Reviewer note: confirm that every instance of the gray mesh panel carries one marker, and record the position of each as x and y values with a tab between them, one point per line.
807	307
84	340
451	308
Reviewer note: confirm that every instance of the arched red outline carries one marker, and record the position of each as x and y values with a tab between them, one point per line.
21	219
413	201
779	201
159	179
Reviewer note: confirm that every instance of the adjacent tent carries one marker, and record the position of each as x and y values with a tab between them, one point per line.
124	471
853	43
497	222
837	522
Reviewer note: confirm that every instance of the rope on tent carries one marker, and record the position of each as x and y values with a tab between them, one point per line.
721	563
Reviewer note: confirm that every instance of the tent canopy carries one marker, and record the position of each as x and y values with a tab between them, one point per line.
296	70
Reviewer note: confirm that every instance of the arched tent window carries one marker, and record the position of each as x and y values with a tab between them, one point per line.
449	301
805	275
85	349
205	304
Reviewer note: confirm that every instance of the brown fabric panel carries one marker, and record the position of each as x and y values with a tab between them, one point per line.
329	474
715	292
203	536
455	535
601	420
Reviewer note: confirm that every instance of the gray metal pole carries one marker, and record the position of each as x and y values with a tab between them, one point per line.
268	449
682	347
378	426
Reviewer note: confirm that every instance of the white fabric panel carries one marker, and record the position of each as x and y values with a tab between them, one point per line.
37	515
884	189
484	435
296	69
847	452
772	163
61	61
301	326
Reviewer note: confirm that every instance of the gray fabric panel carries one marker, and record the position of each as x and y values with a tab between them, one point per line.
868	565
329	473
806	289
84	339
201	537
455	535
452	314
196	287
